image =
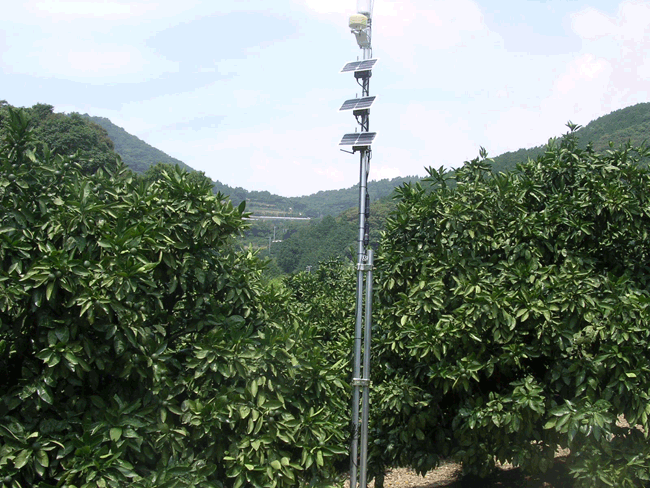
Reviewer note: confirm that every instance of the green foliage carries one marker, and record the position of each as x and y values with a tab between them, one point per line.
325	298
140	156
136	154
66	135
324	301
137	346
312	244
159	171
329	238
630	124
515	318
140	345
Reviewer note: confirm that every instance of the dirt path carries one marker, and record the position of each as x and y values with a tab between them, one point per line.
449	475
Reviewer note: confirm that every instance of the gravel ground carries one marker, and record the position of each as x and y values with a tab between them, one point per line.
405	478
449	475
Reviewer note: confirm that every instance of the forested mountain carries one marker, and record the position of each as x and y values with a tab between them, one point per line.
136	154
329	237
139	156
631	123
317	242
317	205
627	124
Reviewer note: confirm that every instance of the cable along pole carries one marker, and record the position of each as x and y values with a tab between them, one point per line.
361	142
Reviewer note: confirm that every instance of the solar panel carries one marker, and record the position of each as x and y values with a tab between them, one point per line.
358	103
365	65
358	139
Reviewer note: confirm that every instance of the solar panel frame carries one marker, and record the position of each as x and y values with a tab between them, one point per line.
366	138
354	66
358	103
358	139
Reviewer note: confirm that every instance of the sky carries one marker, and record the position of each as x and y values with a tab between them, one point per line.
248	91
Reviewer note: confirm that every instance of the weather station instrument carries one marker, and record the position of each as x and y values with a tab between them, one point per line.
361	142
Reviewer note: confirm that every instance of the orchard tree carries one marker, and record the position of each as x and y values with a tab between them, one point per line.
325	299
67	134
137	346
515	320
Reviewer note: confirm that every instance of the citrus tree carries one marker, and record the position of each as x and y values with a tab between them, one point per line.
514	318
137	346
325	299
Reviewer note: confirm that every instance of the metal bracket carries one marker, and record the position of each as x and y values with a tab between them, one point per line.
365	267
363	75
360	382
361	112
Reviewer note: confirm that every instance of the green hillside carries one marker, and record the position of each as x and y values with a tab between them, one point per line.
139	156
631	123
317	242
136	154
317	205
627	124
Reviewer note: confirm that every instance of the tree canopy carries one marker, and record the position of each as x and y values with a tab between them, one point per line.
515	320
66	135
138	346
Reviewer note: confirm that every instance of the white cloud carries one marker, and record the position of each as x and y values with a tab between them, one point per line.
611	71
332	173
580	73
89	8
447	82
384	172
341	7
593	24
630	24
437	24
88	62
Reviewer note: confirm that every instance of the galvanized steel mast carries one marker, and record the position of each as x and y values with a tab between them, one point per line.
361	25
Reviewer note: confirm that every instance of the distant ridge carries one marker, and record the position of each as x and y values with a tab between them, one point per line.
631	123
139	156
136	154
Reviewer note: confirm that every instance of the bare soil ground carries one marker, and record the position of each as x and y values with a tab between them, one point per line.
449	475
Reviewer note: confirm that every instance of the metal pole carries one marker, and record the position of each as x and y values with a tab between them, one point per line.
365	402
356	368
361	380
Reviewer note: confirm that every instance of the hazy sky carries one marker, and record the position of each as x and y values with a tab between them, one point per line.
248	91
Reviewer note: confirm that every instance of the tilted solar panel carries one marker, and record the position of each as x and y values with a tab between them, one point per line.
358	103
358	139
364	65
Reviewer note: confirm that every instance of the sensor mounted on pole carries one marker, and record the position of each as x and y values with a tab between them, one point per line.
358	22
